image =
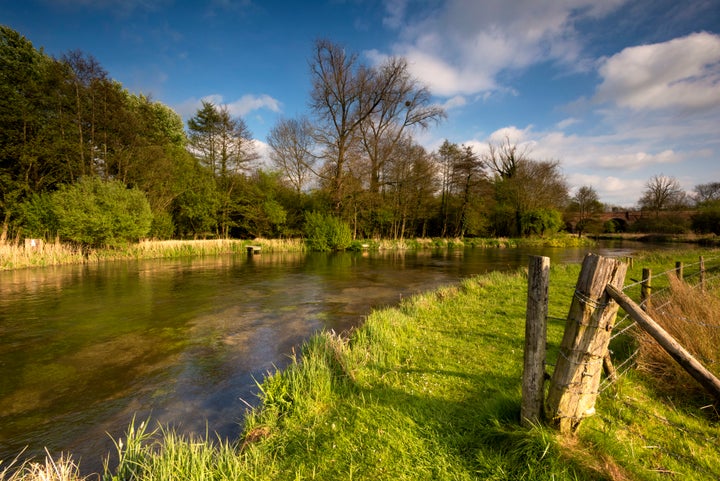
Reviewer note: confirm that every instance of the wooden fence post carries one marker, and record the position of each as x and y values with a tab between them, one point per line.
576	379
533	381
646	289
679	270
702	273
666	341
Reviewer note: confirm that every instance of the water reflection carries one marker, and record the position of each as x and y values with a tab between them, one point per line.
84	348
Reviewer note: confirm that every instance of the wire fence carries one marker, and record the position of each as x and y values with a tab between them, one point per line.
705	274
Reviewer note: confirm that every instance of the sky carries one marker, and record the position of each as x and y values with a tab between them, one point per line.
617	91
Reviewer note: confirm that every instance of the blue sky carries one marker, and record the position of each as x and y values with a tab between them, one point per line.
616	90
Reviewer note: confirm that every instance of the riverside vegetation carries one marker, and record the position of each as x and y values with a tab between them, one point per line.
430	389
16	256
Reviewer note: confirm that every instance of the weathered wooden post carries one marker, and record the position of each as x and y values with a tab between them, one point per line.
535	341
576	379
679	270
702	273
646	289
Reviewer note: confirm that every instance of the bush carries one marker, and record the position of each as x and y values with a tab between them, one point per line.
707	221
96	213
37	217
541	221
672	224
326	233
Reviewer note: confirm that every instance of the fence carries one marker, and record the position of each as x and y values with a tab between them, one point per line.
590	328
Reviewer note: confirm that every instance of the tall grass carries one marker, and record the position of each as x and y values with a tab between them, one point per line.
16	256
692	317
62	469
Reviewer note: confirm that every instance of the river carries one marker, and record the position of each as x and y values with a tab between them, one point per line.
85	348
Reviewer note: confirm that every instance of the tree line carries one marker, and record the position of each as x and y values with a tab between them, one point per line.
83	159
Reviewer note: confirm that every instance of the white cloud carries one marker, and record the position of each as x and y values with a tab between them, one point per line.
683	73
248	103
463	46
238	108
565	123
454	102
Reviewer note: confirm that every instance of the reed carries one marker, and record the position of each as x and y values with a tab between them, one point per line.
62	469
16	256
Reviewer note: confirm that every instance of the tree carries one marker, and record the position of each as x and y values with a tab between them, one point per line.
291	145
219	141
344	94
662	193
224	145
93	212
522	185
707	193
405	104
502	159
24	126
586	203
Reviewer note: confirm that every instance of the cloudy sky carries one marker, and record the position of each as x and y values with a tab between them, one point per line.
616	90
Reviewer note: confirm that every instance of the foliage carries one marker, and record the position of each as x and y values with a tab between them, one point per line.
326	232
38	217
93	212
666	224
707	220
541	221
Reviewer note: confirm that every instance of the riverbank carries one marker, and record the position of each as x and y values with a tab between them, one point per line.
707	240
431	390
42	254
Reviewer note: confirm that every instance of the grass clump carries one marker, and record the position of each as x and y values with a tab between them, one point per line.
692	317
62	469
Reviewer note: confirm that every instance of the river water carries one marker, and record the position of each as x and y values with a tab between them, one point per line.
85	348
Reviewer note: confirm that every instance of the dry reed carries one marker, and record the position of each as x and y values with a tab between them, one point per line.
62	469
692	317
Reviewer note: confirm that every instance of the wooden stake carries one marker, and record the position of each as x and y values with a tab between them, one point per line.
679	270
576	379
535	341
666	341
646	289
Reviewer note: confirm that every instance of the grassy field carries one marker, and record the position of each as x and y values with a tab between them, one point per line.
431	390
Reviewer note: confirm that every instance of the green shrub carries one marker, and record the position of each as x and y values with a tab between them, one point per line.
707	221
94	212
541	221
326	233
37	217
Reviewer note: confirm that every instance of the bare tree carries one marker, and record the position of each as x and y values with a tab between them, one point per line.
662	193
705	193
404	104
586	202
503	159
343	95
292	144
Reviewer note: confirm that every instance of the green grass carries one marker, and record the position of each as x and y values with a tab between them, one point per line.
431	390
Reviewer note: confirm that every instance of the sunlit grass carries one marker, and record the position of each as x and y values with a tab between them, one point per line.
16	256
